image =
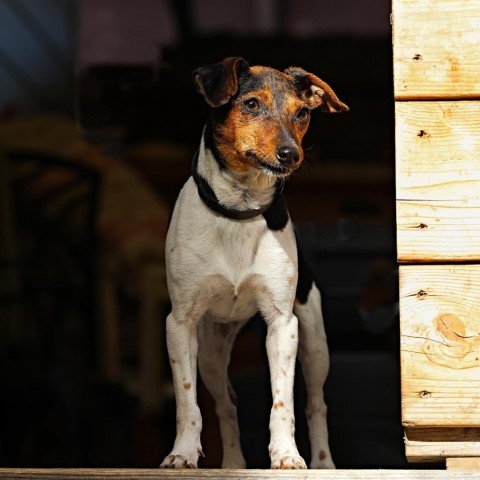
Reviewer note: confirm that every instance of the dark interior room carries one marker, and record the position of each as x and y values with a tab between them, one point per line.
99	120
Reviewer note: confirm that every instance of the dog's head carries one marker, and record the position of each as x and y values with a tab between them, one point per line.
260	115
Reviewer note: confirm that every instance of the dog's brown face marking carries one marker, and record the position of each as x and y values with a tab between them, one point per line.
267	114
259	114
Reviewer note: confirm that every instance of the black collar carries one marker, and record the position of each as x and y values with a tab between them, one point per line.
210	199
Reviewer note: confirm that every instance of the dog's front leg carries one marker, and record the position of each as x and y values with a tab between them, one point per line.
282	341
182	349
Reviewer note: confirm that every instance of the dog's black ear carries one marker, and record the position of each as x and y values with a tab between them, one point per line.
218	82
316	92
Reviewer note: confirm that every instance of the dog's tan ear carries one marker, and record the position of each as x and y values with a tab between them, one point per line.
316	92
218	82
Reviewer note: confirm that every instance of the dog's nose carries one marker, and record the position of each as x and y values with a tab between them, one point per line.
287	155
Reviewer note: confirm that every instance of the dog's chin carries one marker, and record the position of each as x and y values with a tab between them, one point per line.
271	169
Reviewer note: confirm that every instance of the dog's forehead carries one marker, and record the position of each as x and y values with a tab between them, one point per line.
266	78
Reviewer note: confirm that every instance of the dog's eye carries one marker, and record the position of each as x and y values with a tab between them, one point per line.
303	114
252	104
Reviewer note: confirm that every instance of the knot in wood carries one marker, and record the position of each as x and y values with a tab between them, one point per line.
425	394
423	134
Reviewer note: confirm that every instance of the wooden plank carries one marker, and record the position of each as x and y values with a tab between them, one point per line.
438	444
436	45
438	231
463	464
437	150
440	345
99	474
438	181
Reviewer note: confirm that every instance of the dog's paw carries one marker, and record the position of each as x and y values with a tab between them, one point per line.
289	462
178	461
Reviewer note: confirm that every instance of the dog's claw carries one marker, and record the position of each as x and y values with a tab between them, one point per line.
177	461
290	463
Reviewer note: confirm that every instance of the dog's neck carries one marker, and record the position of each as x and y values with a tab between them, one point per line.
250	191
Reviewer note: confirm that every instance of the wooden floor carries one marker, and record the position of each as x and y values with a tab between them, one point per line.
207	474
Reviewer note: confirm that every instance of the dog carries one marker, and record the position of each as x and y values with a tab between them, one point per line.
231	251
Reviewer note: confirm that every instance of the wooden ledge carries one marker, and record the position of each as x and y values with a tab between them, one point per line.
208	474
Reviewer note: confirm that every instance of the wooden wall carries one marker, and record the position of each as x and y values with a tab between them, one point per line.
437	108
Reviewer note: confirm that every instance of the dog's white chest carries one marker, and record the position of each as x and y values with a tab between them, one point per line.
223	268
232	302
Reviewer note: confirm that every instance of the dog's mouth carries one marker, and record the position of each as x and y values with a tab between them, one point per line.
269	168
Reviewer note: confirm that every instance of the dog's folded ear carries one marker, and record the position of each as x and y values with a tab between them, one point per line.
316	92
218	82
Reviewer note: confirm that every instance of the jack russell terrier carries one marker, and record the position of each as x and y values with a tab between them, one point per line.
231	251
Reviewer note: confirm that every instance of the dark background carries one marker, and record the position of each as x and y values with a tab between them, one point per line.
98	122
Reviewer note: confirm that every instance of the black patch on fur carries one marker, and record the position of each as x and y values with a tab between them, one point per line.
218	82
211	201
209	141
305	276
277	215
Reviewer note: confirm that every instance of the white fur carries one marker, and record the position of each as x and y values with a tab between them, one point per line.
220	272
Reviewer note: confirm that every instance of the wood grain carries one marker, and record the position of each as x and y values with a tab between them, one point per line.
99	474
438	231
463	464
440	345
436	45
437	150
438	181
438	444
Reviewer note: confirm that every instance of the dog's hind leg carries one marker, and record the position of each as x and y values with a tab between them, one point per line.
215	347
313	355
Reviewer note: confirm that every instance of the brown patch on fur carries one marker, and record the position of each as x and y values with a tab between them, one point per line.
244	134
322	455
292	335
187	386
284	372
264	94
292	105
317	93
193	422
278	404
